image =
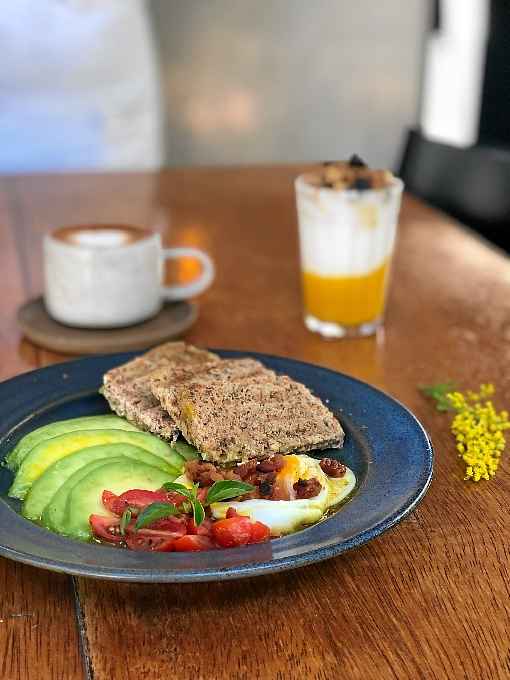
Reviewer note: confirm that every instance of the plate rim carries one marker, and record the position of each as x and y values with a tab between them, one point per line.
147	575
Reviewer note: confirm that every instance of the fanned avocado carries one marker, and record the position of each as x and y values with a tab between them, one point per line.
84	499
47	452
51	480
107	422
54	514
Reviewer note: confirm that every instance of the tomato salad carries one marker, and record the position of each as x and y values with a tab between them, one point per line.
175	518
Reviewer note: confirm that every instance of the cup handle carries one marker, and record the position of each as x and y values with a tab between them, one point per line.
187	290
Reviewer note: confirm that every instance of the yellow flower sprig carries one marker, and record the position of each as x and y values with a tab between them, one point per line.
477	426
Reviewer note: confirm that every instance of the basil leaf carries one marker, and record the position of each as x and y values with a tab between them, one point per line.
198	512
125	520
225	489
180	488
153	512
191	495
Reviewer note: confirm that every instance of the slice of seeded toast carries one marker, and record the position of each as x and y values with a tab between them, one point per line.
237	410
127	387
165	381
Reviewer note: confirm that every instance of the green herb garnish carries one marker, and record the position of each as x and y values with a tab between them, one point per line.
125	520
153	512
440	393
191	495
219	491
225	489
198	508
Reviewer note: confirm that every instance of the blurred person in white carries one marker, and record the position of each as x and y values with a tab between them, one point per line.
79	87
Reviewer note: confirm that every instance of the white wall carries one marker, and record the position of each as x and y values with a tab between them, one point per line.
289	80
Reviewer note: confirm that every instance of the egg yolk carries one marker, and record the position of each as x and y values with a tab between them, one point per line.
288	475
346	300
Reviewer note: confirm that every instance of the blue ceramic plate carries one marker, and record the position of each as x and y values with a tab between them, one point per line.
386	447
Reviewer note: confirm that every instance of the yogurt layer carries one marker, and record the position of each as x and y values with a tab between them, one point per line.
346	233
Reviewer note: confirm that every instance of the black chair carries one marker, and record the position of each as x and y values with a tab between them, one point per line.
472	185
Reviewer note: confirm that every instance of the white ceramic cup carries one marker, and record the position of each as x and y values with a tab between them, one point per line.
109	276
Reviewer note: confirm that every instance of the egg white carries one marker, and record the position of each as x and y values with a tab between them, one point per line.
284	517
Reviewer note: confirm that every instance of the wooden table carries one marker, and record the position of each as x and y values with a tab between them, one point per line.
429	599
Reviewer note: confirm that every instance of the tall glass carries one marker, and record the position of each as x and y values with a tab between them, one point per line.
347	238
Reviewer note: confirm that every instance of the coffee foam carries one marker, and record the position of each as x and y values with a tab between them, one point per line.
100	236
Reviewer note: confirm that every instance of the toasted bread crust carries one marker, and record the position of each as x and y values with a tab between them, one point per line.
232	409
238	410
127	387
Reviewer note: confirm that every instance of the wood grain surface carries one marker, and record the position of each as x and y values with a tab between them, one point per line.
429	599
38	632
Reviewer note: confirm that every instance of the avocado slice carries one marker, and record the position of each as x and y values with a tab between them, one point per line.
84	498
53	516
187	451
51	480
107	422
51	450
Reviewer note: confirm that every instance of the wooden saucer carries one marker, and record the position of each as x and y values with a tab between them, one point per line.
174	319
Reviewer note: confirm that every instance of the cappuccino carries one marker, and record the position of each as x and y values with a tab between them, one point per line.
108	276
98	236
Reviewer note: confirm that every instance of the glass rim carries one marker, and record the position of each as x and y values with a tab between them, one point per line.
396	187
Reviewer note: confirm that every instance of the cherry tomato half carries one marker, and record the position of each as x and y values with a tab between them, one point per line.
136	499
176	525
203	529
232	532
105	528
259	532
150	540
193	544
175	498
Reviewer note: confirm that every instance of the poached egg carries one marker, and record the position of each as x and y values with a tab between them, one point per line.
285	517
